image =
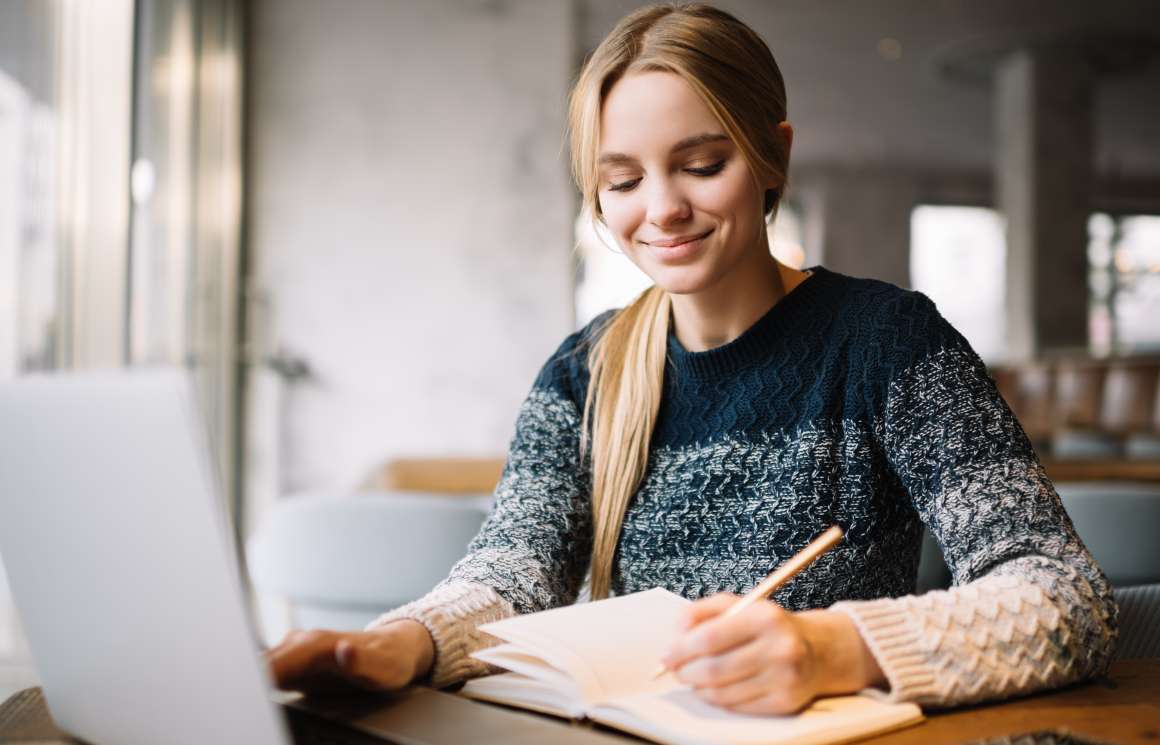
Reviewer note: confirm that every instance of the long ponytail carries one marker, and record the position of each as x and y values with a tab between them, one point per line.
627	365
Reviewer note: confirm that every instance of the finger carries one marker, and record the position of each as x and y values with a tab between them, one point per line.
721	634
309	654
738	692
741	663
782	701
705	608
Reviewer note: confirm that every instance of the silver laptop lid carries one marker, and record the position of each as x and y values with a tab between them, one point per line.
120	564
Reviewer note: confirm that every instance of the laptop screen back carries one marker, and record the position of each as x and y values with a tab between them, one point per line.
120	563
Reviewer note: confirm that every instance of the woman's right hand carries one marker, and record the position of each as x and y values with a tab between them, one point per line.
382	659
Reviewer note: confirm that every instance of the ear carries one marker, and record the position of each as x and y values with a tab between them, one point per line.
784	130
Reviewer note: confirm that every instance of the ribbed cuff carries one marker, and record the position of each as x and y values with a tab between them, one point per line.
892	632
451	612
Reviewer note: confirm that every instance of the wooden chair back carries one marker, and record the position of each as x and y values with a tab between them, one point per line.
472	476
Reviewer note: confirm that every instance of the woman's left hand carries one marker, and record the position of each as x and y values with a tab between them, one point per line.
767	660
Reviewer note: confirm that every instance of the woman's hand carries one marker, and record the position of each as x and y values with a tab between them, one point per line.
382	659
767	660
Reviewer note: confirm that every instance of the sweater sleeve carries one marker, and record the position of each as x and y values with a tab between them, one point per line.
532	551
1029	608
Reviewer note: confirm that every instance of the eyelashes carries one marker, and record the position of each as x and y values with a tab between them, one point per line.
710	170
704	171
624	185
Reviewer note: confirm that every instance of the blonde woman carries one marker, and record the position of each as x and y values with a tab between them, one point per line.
697	438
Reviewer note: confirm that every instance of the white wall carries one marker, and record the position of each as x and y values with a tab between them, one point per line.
410	221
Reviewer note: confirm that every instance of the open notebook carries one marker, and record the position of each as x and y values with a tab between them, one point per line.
596	660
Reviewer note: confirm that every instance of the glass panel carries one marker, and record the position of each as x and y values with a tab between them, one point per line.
30	249
1124	277
186	194
958	258
162	182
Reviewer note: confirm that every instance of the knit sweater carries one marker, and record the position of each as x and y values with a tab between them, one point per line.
853	402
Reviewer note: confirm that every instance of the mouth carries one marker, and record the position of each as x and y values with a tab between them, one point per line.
680	241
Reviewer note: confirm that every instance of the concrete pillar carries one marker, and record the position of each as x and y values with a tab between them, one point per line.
1043	172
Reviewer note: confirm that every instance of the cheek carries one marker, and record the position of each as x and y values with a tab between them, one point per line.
623	217
731	195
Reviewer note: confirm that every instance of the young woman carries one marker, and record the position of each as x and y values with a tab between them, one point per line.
701	436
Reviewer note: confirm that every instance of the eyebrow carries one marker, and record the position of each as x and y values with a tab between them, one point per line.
685	144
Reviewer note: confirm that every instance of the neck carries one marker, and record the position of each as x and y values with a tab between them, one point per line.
721	313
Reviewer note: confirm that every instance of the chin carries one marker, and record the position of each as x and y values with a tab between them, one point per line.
682	283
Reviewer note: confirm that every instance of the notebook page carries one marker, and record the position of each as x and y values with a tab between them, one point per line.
525	692
679	717
610	647
510	657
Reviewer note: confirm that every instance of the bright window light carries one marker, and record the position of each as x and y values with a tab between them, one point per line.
1124	281
958	259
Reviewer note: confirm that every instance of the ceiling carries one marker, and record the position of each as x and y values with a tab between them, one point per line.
856	97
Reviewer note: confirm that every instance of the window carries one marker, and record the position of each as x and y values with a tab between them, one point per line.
958	258
1124	283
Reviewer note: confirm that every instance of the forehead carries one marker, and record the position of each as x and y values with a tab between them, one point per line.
649	112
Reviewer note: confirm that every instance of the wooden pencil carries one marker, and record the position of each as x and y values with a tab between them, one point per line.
782	574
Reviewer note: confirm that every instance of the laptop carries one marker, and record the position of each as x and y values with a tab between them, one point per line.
123	571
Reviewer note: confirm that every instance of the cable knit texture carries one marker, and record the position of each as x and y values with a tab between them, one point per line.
851	401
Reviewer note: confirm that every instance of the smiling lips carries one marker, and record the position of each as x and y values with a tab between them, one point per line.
673	249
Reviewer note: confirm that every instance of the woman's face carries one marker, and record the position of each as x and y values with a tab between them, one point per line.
675	191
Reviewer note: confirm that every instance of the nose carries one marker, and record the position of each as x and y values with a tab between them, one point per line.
667	205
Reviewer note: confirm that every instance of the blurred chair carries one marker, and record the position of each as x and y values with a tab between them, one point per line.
441	475
1119	523
1139	622
1129	398
1028	390
1078	389
1076	416
933	573
1145	445
341	561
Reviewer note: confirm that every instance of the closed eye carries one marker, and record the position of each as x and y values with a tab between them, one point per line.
624	185
709	170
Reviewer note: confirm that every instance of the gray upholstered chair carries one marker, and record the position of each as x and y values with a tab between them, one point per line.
339	562
1120	523
1139	621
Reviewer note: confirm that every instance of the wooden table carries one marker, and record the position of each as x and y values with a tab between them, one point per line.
1102	470
1124	707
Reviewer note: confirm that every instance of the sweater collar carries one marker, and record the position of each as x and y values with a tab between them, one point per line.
754	343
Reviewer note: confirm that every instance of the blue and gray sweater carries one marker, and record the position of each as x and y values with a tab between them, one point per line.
851	401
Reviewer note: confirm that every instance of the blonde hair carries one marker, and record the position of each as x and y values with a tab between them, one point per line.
733	71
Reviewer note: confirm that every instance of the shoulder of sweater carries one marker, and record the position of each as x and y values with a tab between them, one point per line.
891	327
885	311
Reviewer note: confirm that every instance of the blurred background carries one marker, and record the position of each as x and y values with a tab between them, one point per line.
352	221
